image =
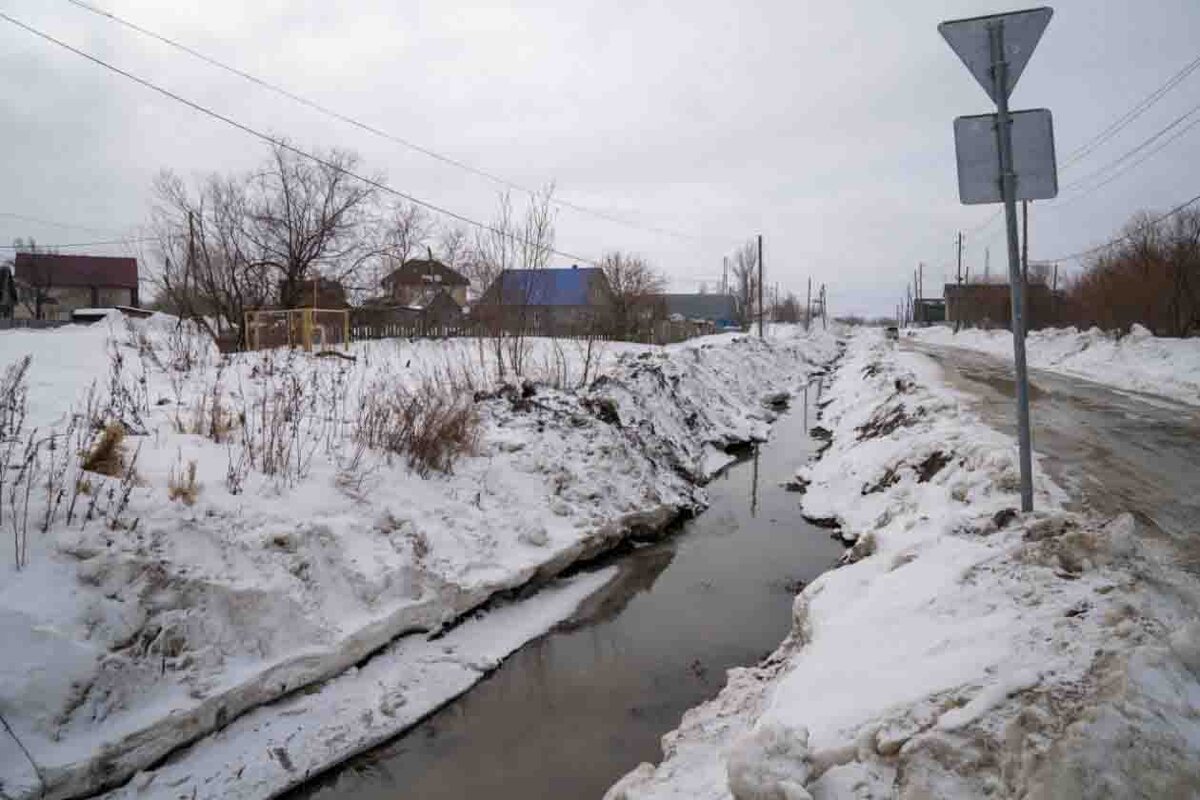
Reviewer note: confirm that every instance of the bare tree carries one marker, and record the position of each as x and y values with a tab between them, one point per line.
636	288
745	281
35	293
1150	277
227	244
405	233
210	270
454	248
307	214
789	309
508	305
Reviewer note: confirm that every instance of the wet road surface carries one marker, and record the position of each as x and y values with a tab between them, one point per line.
1114	450
570	713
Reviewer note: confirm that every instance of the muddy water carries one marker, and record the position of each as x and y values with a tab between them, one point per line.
571	712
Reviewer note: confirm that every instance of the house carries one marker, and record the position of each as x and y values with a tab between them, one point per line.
52	286
719	309
552	301
403	285
928	310
317	292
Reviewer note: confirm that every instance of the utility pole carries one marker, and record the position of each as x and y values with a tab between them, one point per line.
987	263
824	318
958	279
760	288
1054	294
724	274
190	271
808	305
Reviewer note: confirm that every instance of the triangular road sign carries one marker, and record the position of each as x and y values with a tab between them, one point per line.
970	39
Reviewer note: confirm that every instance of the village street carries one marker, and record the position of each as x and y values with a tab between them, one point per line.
1116	451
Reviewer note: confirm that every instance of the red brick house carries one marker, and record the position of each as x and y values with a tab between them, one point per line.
51	286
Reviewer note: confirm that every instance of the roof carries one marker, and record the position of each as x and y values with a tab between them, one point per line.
424	271
713	307
429	298
50	269
550	287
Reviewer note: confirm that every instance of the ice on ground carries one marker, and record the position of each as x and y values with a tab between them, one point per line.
278	746
969	650
1138	361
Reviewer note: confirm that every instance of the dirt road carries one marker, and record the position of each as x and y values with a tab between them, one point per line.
1113	450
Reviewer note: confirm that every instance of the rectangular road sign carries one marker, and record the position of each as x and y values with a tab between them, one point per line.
977	150
969	38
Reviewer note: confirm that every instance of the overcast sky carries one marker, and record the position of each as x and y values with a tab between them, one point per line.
827	127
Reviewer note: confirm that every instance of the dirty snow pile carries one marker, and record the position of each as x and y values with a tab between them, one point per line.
1138	361
189	536
963	649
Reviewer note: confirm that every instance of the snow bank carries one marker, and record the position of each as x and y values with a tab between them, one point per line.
1138	361
963	650
164	602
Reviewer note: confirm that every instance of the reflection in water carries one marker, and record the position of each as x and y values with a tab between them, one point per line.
754	485
571	712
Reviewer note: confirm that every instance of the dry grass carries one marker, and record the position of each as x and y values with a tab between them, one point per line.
182	485
431	426
106	456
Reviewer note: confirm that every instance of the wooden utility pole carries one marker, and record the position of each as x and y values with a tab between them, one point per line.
760	288
808	305
725	275
824	319
958	279
190	270
958	269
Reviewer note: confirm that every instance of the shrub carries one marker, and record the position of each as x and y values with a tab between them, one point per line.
430	426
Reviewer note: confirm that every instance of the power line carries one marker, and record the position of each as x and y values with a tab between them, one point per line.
1129	154
321	109
135	240
1126	237
279	142
1107	133
1128	168
1129	116
41	221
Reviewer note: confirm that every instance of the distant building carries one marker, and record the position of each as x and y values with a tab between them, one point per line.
416	277
928	310
719	309
989	305
549	300
52	286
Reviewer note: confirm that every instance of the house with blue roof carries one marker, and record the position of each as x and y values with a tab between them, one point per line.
561	301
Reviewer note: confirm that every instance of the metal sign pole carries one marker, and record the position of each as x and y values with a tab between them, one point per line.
1016	283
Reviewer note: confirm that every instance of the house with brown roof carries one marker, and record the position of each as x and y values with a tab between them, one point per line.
52	286
411	281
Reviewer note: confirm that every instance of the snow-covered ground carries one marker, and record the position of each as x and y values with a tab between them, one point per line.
963	650
1138	361
249	543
